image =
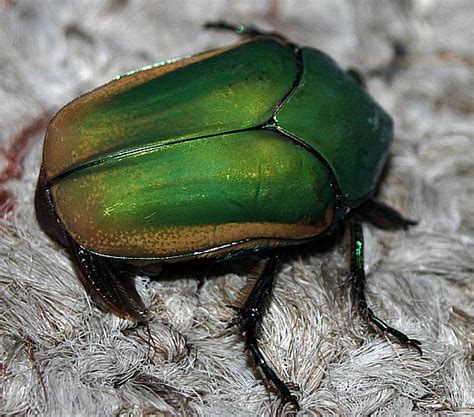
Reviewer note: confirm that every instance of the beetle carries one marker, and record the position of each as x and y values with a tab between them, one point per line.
240	150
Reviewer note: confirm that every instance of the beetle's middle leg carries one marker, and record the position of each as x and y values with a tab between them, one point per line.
358	286
250	317
243	30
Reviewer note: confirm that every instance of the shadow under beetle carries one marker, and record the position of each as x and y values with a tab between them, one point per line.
242	149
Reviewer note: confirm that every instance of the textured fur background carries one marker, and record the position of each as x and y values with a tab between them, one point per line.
62	355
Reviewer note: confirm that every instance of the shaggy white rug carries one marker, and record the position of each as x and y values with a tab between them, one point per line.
61	355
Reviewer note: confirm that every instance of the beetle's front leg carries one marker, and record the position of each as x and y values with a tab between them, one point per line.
250	317
358	286
383	216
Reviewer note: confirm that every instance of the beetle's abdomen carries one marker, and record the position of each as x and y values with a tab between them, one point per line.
334	115
222	193
219	91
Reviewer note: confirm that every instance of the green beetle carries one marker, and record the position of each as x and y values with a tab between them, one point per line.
242	149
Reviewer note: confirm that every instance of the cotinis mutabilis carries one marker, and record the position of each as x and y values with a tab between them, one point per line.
246	148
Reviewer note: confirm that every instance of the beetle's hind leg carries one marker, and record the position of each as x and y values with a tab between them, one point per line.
243	30
250	316
105	277
110	281
358	287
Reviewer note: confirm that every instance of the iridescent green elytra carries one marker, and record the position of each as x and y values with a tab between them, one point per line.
232	151
246	147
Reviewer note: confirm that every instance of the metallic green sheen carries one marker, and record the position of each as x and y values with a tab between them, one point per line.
336	117
236	89
234	145
255	176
